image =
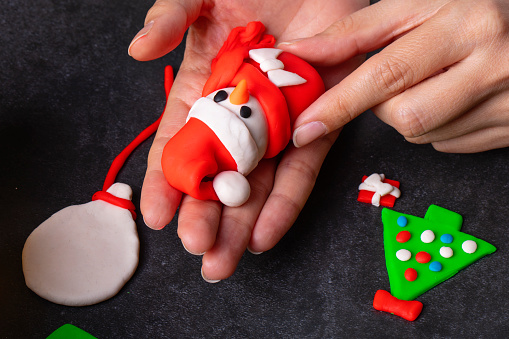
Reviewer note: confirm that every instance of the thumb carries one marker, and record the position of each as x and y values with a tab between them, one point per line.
165	25
364	31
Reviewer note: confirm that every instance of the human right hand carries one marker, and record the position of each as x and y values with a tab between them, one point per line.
443	77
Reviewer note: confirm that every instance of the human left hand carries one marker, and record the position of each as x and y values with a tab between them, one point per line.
279	187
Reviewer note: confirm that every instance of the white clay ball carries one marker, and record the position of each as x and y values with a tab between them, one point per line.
403	255
446	252
469	246
232	188
427	236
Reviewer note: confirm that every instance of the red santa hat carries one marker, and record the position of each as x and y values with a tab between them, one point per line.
283	83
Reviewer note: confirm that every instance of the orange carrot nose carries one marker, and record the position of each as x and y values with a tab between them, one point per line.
240	94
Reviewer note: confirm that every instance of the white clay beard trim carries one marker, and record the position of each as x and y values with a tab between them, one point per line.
230	130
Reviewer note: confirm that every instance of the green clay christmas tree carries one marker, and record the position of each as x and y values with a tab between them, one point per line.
421	253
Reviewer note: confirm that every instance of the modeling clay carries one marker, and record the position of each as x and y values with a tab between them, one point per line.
377	190
385	302
249	103
84	254
432	250
69	331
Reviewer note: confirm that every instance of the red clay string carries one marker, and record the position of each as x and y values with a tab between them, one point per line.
119	161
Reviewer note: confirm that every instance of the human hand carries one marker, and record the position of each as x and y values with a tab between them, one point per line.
442	79
279	188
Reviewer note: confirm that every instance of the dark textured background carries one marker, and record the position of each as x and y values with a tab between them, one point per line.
71	99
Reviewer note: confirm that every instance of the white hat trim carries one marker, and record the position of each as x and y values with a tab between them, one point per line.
230	130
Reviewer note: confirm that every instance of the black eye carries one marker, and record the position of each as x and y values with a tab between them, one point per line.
220	96
245	112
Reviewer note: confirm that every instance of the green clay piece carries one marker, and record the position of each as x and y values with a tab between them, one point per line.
439	221
69	331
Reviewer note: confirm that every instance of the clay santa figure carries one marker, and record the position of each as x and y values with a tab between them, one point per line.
249	103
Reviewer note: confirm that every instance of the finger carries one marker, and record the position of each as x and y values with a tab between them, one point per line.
295	178
236	226
363	31
159	201
198	222
165	25
456	101
478	141
401	65
493	112
419	112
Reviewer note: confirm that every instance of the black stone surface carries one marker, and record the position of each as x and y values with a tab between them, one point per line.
71	99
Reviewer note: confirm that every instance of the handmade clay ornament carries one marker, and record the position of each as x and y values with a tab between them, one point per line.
83	254
249	103
377	190
406	309
436	249
69	331
422	253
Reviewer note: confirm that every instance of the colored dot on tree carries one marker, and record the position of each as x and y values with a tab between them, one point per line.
435	266
423	257
469	246
446	238
446	252
427	236
403	255
402	221
410	274
403	236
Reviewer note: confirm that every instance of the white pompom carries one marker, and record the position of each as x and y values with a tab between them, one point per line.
232	188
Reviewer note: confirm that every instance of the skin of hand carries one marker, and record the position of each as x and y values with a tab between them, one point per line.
279	187
442	78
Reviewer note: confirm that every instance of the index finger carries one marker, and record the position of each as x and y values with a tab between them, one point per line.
432	46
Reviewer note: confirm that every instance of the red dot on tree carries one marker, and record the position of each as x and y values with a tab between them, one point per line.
423	257
410	274
403	236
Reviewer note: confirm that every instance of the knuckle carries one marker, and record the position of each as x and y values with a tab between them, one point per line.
290	205
480	21
408	121
341	108
260	188
490	17
342	26
391	75
306	172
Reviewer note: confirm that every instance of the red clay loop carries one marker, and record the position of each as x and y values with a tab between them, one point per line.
119	161
110	198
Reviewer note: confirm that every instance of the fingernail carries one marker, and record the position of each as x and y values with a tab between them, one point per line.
291	42
145	221
253	252
183	245
308	133
210	281
144	31
151	226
